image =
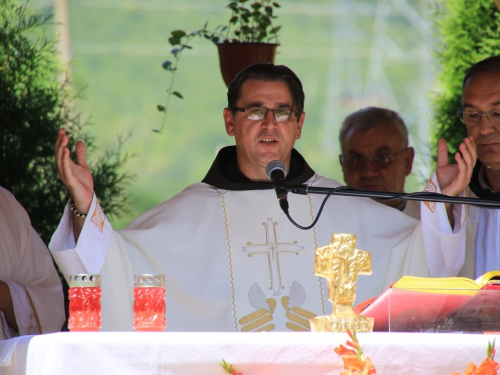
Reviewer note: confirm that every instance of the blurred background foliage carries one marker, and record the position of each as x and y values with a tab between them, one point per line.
466	32
348	54
35	101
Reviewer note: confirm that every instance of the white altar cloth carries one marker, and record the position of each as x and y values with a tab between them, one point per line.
179	353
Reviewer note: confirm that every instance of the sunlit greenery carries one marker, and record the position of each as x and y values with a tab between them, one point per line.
348	54
34	104
467	32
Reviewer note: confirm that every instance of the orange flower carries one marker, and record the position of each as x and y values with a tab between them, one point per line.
487	367
354	363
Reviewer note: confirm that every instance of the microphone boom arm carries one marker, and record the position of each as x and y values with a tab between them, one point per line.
386	195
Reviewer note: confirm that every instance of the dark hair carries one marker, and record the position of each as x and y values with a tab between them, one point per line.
487	65
270	73
370	117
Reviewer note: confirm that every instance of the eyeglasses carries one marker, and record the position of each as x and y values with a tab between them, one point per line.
472	118
378	162
260	113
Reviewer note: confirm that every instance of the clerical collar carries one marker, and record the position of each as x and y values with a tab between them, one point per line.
479	185
225	173
481	176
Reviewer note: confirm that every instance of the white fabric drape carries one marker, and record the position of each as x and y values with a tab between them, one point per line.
27	268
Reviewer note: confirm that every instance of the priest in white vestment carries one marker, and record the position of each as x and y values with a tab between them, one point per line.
231	258
31	296
480	113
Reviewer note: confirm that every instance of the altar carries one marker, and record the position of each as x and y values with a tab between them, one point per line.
190	353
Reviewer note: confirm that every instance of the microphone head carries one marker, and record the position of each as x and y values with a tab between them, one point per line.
275	164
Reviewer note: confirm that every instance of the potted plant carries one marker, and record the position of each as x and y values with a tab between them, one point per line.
249	37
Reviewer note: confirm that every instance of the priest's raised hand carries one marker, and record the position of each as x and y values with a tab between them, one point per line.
454	178
217	238
76	177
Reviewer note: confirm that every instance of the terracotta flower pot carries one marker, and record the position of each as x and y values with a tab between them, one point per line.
234	57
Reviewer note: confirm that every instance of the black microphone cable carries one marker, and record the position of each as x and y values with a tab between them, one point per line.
276	171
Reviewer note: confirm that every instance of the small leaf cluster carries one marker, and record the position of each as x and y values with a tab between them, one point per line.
490	350
466	32
250	22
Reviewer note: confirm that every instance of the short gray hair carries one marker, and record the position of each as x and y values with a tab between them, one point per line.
370	117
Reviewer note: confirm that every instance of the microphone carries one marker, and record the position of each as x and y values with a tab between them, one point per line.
276	172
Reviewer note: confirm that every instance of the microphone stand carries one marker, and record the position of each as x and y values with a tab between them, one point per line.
387	195
382	195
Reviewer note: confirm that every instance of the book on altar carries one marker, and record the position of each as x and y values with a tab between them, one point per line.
448	304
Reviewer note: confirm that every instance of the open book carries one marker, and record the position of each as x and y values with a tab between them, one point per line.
449	304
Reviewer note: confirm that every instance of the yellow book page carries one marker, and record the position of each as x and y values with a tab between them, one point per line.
461	284
442	285
482	280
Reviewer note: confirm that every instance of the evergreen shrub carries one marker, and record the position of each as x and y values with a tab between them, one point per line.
467	32
34	105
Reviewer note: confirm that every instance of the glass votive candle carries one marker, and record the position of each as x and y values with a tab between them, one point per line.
84	302
149	303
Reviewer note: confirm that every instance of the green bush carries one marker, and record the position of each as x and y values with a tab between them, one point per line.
34	104
467	32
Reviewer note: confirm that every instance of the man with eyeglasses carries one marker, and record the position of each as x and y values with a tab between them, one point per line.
480	113
376	156
231	258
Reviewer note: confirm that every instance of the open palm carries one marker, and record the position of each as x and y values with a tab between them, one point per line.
453	178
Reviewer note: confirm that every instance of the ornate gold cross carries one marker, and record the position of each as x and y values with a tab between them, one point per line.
341	263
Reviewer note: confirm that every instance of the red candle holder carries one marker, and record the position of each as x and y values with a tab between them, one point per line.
149	303
84	302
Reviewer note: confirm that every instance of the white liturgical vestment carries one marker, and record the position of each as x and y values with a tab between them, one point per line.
234	262
27	268
482	229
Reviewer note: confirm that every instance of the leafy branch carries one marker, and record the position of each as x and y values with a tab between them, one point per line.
247	24
179	39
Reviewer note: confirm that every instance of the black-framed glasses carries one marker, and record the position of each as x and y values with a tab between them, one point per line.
472	118
260	113
378	162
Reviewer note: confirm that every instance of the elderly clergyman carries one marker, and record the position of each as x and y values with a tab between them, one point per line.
376	155
480	113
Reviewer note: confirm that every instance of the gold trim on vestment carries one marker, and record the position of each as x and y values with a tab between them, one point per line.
230	259
268	328
295	327
257	323
253	316
311	210
299	324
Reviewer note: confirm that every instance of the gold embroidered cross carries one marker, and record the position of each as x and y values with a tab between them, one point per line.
272	248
